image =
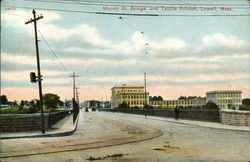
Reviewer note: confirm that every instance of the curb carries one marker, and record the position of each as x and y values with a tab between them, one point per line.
66	133
193	124
226	129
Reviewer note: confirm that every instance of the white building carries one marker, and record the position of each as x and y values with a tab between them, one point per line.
133	96
228	99
180	102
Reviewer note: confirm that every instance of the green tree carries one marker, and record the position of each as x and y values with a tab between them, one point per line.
51	100
159	98
245	104
15	103
23	103
155	98
34	104
246	101
123	105
211	105
67	104
191	97
3	100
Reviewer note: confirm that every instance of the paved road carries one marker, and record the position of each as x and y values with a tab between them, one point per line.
121	137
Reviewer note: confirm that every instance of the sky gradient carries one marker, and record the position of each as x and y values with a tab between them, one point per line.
182	55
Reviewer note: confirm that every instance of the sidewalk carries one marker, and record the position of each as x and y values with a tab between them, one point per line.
66	127
61	128
212	125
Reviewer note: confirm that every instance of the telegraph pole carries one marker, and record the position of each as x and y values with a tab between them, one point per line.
77	95
39	76
74	87
145	94
145	89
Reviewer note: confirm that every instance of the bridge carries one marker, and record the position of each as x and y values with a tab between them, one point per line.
127	137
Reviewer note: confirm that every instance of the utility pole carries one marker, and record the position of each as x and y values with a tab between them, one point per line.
145	94
39	76
74	76
145	89
77	95
123	96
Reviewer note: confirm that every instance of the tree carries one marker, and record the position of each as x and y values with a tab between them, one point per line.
246	101
3	100
15	103
190	97
23	103
34	104
211	105
159	98
182	97
155	98
67	104
51	100
123	105
245	104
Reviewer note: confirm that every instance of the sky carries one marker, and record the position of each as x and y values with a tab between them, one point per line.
182	53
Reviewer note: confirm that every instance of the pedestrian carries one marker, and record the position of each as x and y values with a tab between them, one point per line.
177	112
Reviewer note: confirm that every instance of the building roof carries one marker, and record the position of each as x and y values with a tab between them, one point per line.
225	91
127	86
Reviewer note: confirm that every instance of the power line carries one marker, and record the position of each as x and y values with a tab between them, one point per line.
52	51
156	0
125	14
47	43
122	3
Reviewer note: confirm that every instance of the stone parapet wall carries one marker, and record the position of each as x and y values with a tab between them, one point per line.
27	122
21	122
235	117
192	114
56	116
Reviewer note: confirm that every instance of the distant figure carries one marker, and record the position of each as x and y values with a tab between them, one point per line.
177	112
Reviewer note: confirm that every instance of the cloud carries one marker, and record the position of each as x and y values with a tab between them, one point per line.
24	75
221	44
220	59
219	39
20	16
18	59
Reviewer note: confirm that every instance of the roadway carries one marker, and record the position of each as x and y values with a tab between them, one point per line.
123	137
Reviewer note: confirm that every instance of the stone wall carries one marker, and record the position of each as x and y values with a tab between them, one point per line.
56	116
235	117
26	122
192	114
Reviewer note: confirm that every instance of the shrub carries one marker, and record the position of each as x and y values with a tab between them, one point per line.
27	111
212	106
245	107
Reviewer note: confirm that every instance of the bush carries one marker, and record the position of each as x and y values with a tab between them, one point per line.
15	110
50	110
245	107
27	111
212	106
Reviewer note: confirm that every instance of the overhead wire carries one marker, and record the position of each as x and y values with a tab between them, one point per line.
124	14
130	25
141	4
52	51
